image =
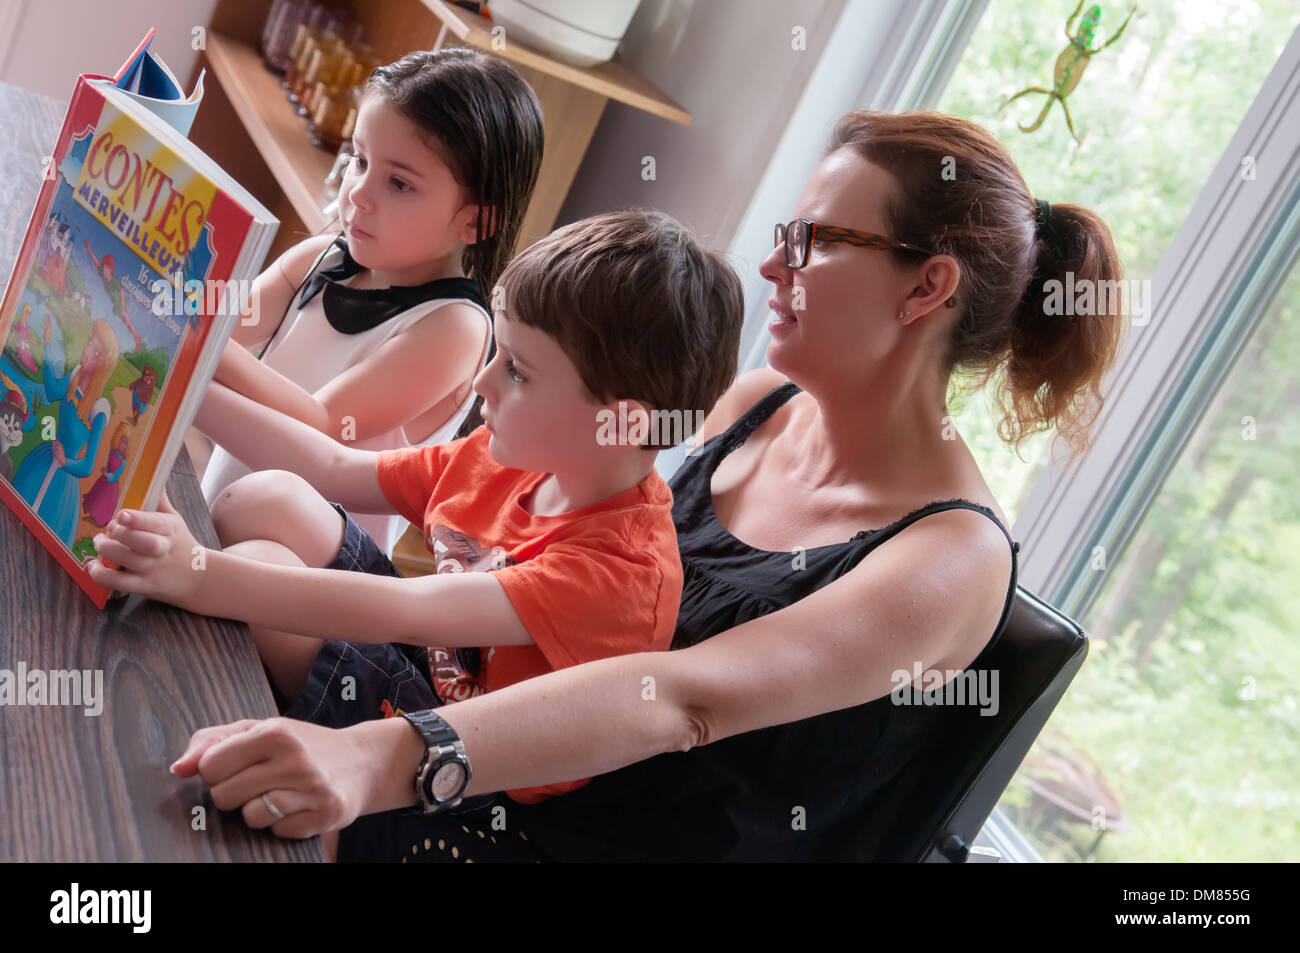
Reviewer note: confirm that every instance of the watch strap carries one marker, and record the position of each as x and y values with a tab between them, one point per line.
442	745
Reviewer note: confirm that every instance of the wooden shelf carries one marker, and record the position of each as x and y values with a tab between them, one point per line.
572	100
613	79
279	134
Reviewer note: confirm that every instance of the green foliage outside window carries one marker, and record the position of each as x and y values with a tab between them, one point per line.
1180	738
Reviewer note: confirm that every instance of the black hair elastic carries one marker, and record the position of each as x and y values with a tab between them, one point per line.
1043	229
1043	219
1046	230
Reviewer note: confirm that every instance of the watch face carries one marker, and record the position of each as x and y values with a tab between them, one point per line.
448	781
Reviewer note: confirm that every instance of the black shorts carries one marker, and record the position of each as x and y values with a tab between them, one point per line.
352	682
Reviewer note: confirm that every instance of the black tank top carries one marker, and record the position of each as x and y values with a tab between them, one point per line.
736	799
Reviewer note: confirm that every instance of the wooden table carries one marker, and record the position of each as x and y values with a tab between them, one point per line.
75	787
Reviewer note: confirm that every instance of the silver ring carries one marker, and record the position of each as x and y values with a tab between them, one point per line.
275	811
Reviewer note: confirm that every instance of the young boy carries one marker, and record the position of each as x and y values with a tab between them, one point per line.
552	530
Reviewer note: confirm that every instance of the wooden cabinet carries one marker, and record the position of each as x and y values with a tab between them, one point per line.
247	124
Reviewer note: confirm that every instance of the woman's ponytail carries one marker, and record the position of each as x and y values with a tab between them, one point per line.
1026	268
1065	328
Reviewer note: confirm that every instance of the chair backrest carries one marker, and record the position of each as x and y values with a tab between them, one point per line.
971	757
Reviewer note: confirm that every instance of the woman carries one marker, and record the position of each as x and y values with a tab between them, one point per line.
770	733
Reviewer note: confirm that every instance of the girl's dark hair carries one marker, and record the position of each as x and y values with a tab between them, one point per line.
484	119
983	215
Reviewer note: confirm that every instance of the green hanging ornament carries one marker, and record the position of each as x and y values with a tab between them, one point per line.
1071	64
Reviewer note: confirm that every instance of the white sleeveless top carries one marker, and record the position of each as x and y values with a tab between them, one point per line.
337	328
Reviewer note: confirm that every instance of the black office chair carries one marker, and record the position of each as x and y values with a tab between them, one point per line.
943	804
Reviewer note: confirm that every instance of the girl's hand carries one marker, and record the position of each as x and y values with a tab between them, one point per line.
158	555
316	777
60	456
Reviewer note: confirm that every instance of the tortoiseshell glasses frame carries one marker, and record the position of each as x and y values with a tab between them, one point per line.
799	235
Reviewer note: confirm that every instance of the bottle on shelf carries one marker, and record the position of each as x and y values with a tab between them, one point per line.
336	113
319	21
281	31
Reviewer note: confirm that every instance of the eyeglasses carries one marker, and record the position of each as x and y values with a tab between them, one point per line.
799	235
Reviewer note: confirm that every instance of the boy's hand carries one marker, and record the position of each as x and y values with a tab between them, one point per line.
156	552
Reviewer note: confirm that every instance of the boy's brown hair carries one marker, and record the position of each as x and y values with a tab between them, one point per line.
644	311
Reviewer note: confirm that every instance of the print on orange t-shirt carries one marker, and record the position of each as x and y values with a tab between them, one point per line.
599	581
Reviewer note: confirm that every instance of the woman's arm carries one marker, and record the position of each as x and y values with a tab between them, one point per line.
932	595
421	365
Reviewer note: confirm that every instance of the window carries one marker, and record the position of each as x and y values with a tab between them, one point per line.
1180	737
1155	112
1176	739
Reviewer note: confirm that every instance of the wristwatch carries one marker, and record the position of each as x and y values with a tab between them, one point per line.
443	773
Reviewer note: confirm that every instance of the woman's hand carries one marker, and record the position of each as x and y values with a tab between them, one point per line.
316	777
158	556
60	456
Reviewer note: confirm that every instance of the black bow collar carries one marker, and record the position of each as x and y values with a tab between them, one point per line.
354	310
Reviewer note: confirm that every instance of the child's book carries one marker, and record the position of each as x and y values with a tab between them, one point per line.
132	272
147	80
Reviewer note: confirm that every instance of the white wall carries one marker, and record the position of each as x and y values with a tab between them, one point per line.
46	44
730	63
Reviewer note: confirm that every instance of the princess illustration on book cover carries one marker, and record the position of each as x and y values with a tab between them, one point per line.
81	368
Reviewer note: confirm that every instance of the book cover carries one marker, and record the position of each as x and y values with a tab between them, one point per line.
146	79
110	324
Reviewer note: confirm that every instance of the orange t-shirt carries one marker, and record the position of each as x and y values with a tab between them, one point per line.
598	581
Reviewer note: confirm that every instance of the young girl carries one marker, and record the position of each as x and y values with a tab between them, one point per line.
391	327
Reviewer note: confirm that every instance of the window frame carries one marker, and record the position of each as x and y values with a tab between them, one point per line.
1209	293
